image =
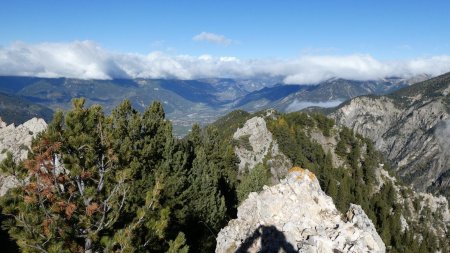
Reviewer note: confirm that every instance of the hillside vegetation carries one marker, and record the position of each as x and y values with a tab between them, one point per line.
122	182
410	127
355	180
17	109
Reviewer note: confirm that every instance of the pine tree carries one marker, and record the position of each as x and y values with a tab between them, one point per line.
178	245
332	190
206	203
74	193
253	181
94	183
343	196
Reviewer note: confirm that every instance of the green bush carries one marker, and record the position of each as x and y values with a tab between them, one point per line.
253	181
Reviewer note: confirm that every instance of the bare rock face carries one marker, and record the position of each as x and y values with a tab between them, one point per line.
17	140
6	183
258	146
297	216
410	131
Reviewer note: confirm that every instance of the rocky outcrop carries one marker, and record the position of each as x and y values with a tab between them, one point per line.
17	140
256	145
297	216
420	209
408	127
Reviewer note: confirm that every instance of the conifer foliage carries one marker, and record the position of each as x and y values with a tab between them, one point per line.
354	181
119	183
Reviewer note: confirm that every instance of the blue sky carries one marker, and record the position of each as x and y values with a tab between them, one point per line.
95	39
384	29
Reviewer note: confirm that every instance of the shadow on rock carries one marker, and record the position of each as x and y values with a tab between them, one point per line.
272	240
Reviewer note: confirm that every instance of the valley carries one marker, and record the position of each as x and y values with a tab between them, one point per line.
186	101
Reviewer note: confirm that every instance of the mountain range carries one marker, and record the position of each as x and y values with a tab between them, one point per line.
185	101
17	109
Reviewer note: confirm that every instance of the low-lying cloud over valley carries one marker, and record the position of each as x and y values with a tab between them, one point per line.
88	60
299	105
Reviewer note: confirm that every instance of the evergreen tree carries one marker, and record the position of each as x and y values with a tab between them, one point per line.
74	194
253	181
96	183
332	189
206	203
343	196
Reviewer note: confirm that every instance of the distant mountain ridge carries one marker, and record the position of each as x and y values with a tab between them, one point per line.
190	101
17	109
335	90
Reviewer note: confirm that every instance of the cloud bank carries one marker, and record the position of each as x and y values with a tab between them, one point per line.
299	105
212	38
88	60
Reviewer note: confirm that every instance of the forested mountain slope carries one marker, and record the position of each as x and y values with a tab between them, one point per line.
17	109
123	182
411	127
349	169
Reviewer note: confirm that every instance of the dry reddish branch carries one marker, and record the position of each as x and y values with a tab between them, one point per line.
85	174
29	199
46	226
92	208
70	209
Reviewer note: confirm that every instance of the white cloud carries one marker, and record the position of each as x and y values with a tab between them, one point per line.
83	59
298	105
86	60
212	38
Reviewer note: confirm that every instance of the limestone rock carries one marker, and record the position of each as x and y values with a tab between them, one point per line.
6	183
261	146
411	131
17	140
297	216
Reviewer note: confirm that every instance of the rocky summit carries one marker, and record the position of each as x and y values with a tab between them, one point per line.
297	216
